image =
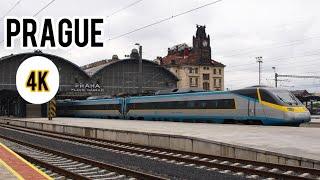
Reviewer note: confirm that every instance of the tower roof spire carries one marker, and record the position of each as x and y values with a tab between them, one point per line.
201	31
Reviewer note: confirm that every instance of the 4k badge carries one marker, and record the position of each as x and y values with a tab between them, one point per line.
37	80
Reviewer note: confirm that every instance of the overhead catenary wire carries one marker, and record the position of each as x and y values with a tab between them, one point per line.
276	59
159	21
272	59
280	64
43	8
14	6
114	13
269	46
39	11
163	20
124	8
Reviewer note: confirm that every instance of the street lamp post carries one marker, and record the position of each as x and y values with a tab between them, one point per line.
140	80
275	77
259	60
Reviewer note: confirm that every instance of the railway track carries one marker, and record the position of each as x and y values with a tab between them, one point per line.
60	165
239	167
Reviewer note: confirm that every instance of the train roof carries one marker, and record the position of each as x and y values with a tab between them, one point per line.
262	87
182	94
176	93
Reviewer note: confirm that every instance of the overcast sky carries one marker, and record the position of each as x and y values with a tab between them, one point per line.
284	32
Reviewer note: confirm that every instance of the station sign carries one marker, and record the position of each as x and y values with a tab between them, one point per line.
87	87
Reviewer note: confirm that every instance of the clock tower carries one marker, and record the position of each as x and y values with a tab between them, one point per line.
201	45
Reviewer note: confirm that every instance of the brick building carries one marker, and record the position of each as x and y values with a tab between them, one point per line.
193	65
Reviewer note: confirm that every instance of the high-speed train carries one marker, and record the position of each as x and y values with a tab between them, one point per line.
252	105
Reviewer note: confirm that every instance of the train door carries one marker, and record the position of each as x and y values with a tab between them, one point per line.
252	108
123	108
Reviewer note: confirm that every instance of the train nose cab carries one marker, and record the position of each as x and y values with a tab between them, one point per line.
285	103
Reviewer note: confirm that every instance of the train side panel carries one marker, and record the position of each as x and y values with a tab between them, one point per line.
216	115
102	108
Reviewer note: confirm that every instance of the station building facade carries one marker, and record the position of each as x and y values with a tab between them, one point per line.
193	65
109	78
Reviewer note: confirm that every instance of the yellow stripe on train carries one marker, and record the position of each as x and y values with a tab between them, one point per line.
298	109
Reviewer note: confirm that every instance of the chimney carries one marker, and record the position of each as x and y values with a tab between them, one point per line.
115	57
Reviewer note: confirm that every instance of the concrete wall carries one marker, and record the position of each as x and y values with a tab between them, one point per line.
172	142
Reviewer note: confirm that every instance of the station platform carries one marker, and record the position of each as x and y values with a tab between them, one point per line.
315	116
315	119
13	166
299	146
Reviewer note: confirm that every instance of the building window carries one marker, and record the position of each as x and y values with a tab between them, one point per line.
220	80
220	72
193	70
205	68
205	76
206	86
214	71
214	82
193	81
76	80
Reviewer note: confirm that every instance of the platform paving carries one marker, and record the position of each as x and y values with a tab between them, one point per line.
293	141
315	119
13	166
6	174
315	116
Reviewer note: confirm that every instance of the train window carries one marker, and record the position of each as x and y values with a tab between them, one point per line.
197	104
202	104
265	96
129	106
190	104
252	93
168	105
155	105
180	105
226	104
94	107
212	104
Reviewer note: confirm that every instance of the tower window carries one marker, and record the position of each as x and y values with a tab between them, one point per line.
214	71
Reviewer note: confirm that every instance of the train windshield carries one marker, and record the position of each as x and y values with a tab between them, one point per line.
286	97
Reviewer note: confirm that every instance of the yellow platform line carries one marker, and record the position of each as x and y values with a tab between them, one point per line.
12	171
26	162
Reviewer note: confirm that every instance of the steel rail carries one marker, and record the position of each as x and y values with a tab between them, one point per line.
110	167
100	143
56	169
